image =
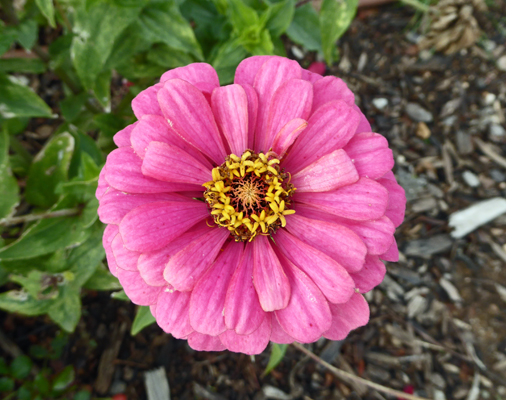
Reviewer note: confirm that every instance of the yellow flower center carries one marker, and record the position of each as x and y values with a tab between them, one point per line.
249	195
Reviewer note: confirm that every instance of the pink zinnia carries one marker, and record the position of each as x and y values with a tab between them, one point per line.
249	213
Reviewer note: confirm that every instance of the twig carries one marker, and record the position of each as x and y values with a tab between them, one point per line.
487	150
35	217
345	375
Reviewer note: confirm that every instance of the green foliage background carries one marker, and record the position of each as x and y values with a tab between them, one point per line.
85	45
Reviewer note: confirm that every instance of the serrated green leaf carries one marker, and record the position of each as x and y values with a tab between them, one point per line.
49	168
280	17
8	184
335	18
163	23
95	31
305	28
277	353
26	65
102	279
143	318
46	7
66	308
27	33
242	17
18	100
48	235
64	379
21	367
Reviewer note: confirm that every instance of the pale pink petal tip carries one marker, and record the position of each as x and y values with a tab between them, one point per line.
301	281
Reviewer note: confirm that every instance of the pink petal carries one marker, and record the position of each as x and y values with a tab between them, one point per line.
348	316
190	115
330	277
371	275
243	312
114	205
361	201
136	289
254	343
269	78
293	99
371	155
152	310
329	89
146	102
152	226
278	335
123	172
252	112
339	243
392	254
271	283
396	200
102	185
172	312
122	138
329	129
169	163
307	315
200	342
317	67
330	172
193	73
110	232
364	125
248	69
287	135
185	269
208	296
125	259
151	265
310	76
230	108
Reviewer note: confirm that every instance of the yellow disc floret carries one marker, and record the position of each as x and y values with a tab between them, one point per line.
249	195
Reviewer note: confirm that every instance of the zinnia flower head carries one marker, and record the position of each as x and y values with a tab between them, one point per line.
254	212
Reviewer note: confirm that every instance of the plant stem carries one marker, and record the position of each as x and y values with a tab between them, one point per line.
347	376
68	212
416	4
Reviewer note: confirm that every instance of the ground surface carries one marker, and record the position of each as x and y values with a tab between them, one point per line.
438	323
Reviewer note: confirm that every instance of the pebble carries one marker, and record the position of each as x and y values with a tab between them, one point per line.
271	392
417	113
464	143
380	103
450	290
471	179
422	131
362	61
425	55
439	394
501	63
423	205
497	175
496	130
417	305
425	248
489	98
298	53
467	220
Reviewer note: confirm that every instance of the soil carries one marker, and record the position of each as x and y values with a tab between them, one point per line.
425	336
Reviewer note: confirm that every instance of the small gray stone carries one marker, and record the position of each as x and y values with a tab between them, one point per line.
464	143
471	179
425	248
417	113
501	63
497	175
496	130
380	103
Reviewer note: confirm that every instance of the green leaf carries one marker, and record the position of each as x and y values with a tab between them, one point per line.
163	23
22	302
280	17
46	7
82	395
18	100
277	353
241	16
64	379
49	168
4	369
21	367
305	28
227	58
95	31
26	65
8	184
24	393
6	384
109	124
66	309
33	283
102	279
27	33
143	318
42	384
71	106
335	17
168	58
121	295
102	89
8	35
47	235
